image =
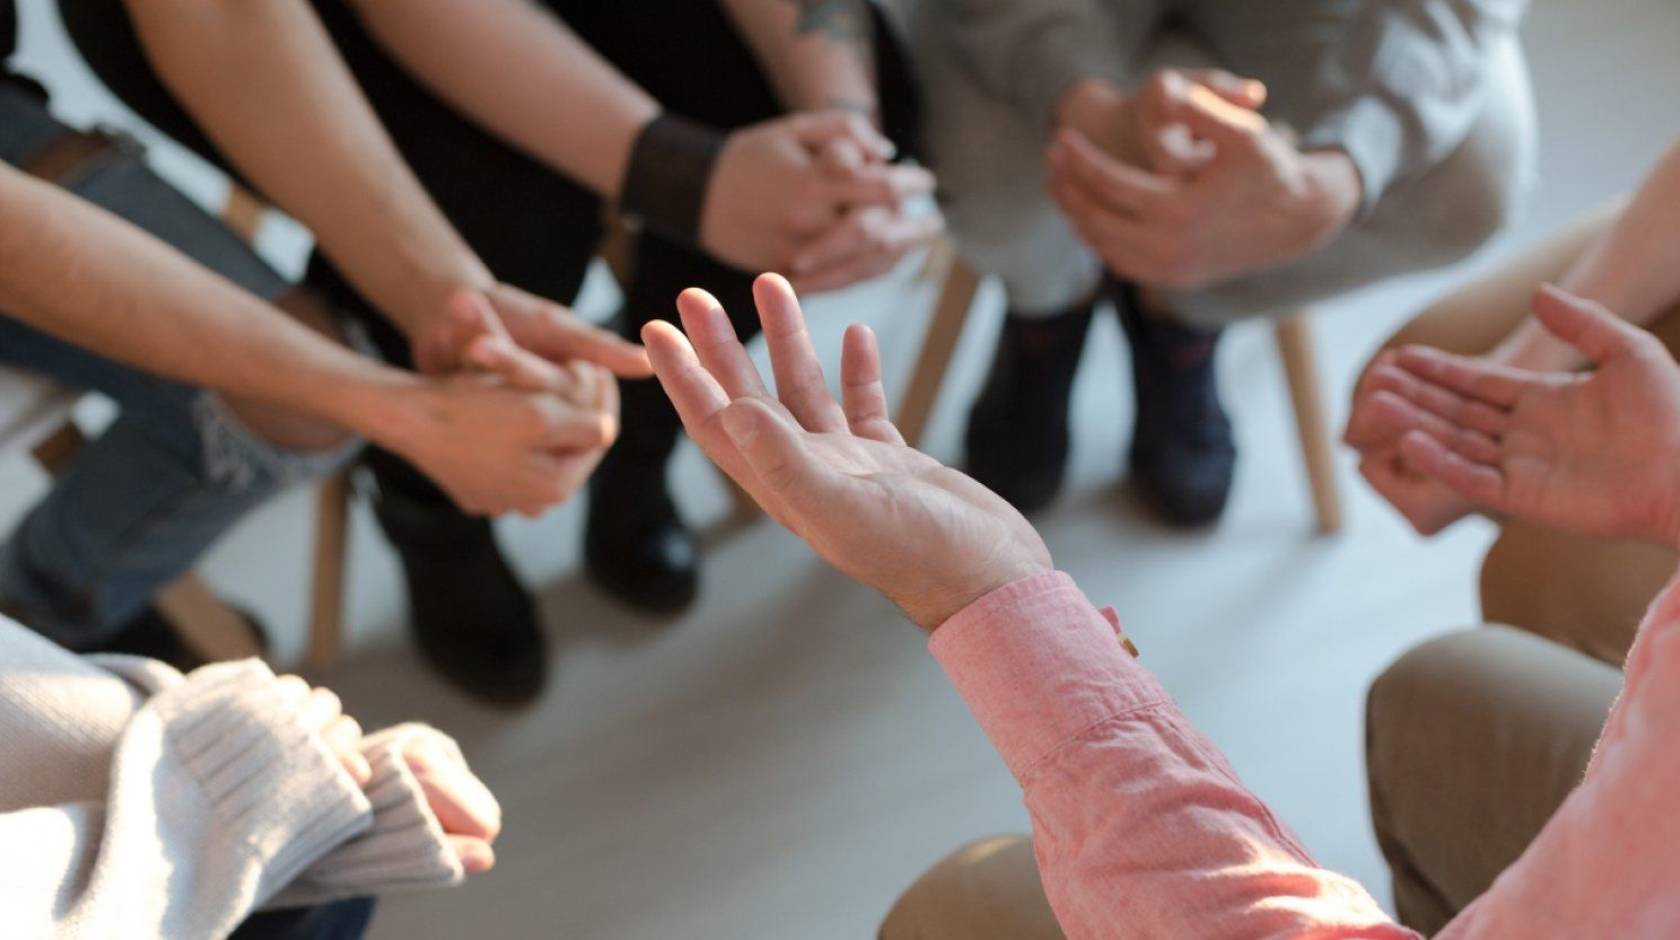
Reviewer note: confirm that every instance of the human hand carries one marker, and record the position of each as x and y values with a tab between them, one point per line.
535	336
323	713
838	475
1146	128
1423	501
780	186
497	447
1593	452
465	808
1256	201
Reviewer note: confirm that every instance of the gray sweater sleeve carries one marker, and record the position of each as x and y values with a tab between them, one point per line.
1408	84
1029	51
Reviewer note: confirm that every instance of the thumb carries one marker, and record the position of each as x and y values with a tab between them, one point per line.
1596	332
1211	117
773	450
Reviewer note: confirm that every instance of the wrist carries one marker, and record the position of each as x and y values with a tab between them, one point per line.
1334	191
668	173
390	407
933	616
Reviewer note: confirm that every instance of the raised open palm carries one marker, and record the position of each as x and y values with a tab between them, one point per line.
1595	452
838	475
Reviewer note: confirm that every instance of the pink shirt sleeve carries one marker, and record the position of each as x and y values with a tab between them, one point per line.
1143	830
1141	827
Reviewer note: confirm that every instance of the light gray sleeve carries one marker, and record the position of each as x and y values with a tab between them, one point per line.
1028	51
1408	84
218	796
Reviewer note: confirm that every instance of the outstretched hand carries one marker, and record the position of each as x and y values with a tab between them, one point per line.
838	475
1593	452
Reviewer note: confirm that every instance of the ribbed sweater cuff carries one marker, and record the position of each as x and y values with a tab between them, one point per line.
274	786
404	849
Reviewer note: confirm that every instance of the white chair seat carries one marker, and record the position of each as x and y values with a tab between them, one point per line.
32	407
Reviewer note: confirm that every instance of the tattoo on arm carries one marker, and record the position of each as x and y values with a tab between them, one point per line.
843	22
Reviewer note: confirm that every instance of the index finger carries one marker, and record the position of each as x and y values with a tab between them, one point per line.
695	393
878	185
1484	381
1118	186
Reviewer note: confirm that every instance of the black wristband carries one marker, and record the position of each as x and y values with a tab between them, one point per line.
665	183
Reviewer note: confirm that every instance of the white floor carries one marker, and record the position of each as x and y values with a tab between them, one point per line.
785	758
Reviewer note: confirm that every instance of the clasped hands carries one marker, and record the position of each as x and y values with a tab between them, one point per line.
1184	184
463	806
521	401
814	194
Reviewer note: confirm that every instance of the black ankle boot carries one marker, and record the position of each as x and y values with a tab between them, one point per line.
472	619
636	546
1017	438
1182	451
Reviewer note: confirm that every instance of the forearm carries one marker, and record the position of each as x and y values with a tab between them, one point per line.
1029	53
1633	270
88	277
523	75
1411	86
267	85
1139	823
175	848
819	53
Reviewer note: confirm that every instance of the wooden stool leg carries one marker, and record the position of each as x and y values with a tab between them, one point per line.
1294	340
243	212
956	296
209	627
326	607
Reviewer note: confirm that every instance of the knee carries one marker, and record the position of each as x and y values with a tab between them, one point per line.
256	448
986	888
1403	703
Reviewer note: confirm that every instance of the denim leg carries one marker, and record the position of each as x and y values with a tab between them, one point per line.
139	505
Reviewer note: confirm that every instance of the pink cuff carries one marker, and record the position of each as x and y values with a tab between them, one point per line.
1038	665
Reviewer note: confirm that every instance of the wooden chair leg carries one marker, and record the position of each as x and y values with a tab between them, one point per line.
1300	366
209	627
243	212
956	296
326	609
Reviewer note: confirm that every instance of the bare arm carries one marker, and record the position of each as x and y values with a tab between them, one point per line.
819	53
524	75
79	273
265	82
1633	269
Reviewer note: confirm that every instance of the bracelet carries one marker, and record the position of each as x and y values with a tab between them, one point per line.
665	183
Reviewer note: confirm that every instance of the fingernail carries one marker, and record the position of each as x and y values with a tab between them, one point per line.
740	426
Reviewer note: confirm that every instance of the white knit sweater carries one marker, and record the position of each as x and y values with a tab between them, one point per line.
138	802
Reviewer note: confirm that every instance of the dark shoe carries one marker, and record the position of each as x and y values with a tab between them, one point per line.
1182	455
472	619
1017	440
637	547
153	635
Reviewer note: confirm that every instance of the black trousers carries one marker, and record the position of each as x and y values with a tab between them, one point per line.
535	228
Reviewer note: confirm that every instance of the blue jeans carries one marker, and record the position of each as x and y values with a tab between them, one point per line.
138	506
